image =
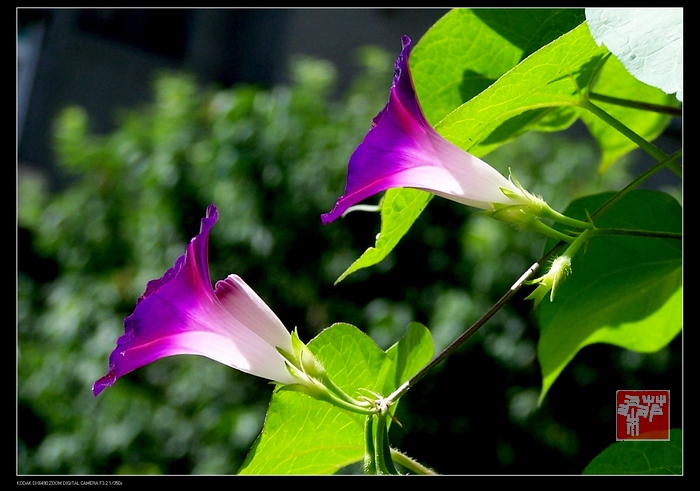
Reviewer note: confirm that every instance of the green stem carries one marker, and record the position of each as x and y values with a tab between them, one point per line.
645	106
369	465
344	396
580	240
324	394
548	212
410	464
469	332
622	128
382	452
540	227
638	233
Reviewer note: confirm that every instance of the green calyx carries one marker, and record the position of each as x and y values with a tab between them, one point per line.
527	211
522	216
313	380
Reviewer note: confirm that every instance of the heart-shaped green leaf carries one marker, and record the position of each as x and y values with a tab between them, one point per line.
302	435
469	49
623	290
640	457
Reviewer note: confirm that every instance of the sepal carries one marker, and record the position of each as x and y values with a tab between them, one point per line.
560	269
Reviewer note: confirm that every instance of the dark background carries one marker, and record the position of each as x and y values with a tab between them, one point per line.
104	59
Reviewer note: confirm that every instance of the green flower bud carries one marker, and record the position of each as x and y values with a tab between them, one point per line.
559	269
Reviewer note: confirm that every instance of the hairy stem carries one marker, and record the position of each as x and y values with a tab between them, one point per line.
369	465
465	335
382	452
410	464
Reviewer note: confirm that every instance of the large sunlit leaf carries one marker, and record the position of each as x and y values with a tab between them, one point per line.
484	45
550	78
623	290
640	457
469	49
648	42
304	436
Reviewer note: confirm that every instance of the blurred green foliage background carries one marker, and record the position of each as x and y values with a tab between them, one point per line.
272	160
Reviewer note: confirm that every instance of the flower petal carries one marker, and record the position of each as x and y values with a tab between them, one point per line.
403	150
181	314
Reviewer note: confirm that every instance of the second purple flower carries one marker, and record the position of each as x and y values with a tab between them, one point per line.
403	150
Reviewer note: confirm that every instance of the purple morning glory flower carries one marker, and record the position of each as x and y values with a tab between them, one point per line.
180	314
402	150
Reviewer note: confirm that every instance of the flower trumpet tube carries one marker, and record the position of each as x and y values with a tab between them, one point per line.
180	314
403	150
